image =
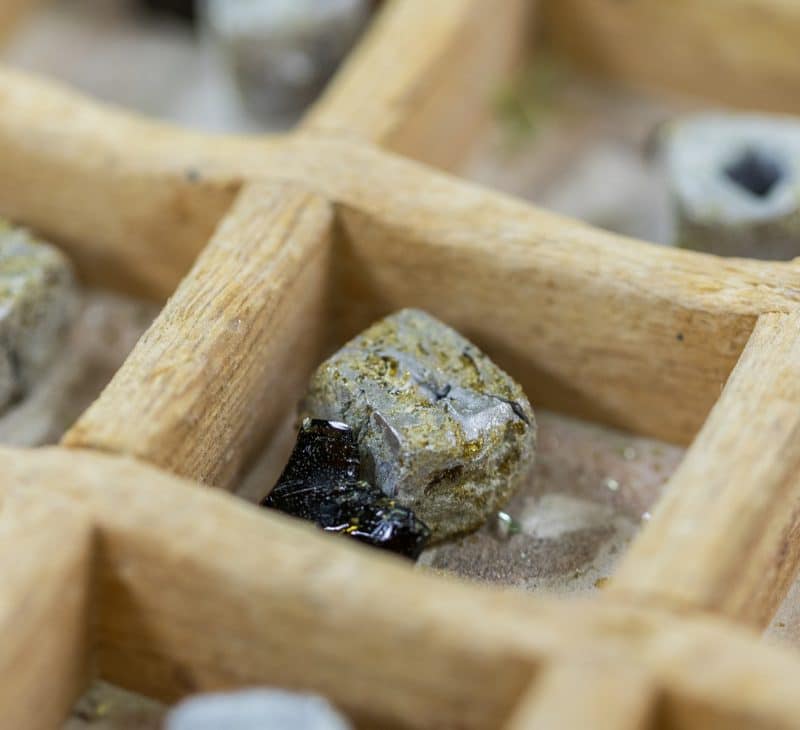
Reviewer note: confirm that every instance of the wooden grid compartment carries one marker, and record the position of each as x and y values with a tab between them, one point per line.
118	564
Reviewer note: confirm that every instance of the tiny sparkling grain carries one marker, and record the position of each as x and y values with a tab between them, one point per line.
503	525
646	517
612	484
629	453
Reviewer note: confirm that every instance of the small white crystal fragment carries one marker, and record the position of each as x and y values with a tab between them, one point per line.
255	709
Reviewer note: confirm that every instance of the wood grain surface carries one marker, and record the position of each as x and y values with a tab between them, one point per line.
724	536
232	350
194	590
46	564
740	52
423	80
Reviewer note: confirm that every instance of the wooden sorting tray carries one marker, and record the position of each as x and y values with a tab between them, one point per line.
118	564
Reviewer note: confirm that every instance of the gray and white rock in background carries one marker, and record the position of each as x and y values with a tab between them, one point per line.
282	52
105	330
255	710
441	428
735	183
38	303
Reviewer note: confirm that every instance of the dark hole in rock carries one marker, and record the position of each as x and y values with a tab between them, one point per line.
445	475
755	171
181	8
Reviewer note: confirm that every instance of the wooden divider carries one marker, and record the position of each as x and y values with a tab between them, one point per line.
12	12
589	690
196	590
131	200
593	324
741	52
724	537
423	82
607	328
46	565
232	350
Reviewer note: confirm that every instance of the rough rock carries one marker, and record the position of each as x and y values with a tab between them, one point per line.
440	428
255	710
38	302
735	184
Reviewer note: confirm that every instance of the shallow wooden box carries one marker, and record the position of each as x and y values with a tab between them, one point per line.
118	564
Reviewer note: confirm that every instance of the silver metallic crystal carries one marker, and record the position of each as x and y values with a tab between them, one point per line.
255	709
735	183
504	525
38	301
440	427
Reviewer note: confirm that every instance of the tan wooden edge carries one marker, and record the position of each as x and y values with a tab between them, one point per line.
695	48
234	347
422	82
608	328
46	566
195	589
133	201
723	537
12	12
589	690
639	336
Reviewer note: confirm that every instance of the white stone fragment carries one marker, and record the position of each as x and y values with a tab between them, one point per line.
255	709
735	183
282	52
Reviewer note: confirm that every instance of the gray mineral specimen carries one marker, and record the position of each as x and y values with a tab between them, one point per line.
38	301
735	183
282	52
440	427
255	710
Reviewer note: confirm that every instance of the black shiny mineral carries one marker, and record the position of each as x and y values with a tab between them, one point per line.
321	484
